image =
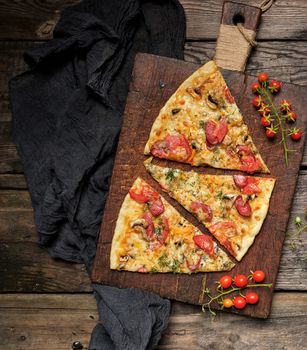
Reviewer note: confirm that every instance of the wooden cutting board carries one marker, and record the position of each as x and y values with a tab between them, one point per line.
154	80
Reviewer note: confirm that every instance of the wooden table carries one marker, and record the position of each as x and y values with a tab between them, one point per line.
47	304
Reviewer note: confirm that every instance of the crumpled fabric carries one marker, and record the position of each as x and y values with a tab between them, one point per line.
67	113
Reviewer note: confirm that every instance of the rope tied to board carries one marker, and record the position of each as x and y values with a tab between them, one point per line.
235	43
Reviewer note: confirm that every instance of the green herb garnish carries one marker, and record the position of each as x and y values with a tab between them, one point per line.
162	260
202	124
170	176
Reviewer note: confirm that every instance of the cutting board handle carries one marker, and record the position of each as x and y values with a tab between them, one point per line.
237	35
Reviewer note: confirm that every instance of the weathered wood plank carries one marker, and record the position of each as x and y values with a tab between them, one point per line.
35	19
70	318
12	182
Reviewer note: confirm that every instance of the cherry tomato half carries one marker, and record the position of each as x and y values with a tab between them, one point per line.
225	281
251	298
258	276
227	303
255	87
240	281
239	302
262	77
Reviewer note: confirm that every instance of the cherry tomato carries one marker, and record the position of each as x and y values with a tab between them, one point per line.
257	101
225	281
258	276
240	281
262	77
265	121
255	88
251	298
239	302
275	86
291	117
264	110
285	106
144	194
270	133
296	134
227	303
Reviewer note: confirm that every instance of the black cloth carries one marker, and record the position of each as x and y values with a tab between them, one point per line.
67	111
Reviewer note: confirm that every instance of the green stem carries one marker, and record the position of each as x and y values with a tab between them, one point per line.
301	229
263	91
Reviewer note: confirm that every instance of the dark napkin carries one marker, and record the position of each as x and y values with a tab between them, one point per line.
67	113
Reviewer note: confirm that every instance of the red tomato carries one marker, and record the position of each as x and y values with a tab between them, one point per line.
257	101
239	302
251	187
173	147
240	180
270	133
227	303
291	117
221	230
228	95
225	281
205	243
296	135
258	276
240	281
275	86
285	106
264	110
142	269
242	207
249	162
251	298
255	88
165	231
262	77
144	194
265	121
156	208
206	211
215	132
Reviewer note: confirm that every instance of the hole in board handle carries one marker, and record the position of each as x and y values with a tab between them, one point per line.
238	18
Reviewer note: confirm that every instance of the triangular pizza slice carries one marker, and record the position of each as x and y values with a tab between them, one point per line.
232	208
151	236
201	125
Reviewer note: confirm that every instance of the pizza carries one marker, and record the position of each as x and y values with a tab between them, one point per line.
151	236
201	125
232	208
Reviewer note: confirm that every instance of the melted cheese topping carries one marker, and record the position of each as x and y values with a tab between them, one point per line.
191	107
131	251
219	192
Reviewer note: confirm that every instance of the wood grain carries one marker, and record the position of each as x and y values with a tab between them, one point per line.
144	102
35	19
51	321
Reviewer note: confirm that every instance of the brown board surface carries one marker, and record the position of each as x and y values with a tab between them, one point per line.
154	80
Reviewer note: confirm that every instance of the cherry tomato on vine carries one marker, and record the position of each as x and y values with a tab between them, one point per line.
275	86
255	87
291	117
258	276
257	101
225	281
239	302
295	134
262	77
265	121
240	281
285	106
227	303
270	132
251	298
264	110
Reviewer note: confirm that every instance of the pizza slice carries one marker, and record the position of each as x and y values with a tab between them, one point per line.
201	125
151	236
232	208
